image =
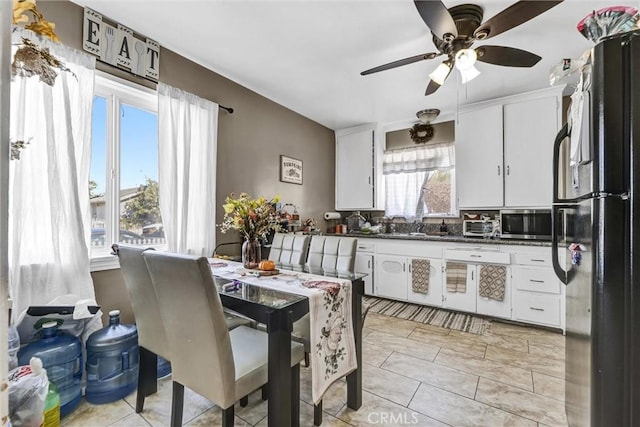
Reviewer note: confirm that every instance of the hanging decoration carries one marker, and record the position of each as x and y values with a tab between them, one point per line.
31	59
421	133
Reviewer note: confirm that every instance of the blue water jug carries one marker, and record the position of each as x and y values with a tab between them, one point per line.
112	361
61	356
164	367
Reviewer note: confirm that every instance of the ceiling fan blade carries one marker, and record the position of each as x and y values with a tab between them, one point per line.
507	56
435	14
401	62
516	14
431	87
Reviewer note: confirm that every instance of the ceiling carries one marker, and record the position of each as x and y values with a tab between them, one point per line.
308	55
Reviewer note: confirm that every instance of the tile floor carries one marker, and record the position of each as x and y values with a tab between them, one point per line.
414	374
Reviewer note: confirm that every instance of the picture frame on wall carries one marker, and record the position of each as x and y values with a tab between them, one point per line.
290	170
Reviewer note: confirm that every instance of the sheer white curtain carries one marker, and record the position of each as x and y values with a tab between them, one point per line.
188	134
406	173
49	212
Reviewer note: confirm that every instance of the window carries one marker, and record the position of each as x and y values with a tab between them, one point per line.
420	181
123	186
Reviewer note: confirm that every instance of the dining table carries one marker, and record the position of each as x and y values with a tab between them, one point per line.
278	307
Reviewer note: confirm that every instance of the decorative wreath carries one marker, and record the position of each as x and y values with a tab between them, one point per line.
421	133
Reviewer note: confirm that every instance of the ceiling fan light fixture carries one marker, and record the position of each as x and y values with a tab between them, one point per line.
465	58
469	74
440	73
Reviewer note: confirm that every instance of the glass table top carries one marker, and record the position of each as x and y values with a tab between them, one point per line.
237	288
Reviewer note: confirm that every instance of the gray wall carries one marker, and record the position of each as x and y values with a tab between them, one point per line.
250	141
442	132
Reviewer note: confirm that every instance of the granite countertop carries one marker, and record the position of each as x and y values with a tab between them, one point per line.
445	238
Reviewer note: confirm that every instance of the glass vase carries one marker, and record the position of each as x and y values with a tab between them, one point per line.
251	253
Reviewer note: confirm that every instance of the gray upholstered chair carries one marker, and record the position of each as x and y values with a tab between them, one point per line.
332	253
289	250
151	334
221	365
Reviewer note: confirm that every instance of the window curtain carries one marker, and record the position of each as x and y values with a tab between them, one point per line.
188	133
49	215
407	171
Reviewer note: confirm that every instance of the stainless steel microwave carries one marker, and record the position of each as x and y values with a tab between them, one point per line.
534	224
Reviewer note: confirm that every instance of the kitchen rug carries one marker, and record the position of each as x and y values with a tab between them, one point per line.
429	315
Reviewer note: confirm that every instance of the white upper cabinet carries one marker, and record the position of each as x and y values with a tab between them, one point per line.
530	128
356	169
504	151
479	158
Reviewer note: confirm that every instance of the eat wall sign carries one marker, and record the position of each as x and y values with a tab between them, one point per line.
116	45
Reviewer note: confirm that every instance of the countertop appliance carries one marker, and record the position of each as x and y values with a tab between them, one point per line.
480	227
530	224
602	232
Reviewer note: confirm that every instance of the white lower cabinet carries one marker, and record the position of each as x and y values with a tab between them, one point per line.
532	293
395	278
433	295
364	264
537	308
471	300
391	276
538	295
494	307
462	301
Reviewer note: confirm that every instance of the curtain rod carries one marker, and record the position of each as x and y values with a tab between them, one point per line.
155	82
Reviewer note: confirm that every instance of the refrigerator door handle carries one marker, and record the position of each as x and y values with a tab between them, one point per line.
560	138
558	205
564	276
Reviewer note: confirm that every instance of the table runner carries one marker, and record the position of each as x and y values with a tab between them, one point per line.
333	350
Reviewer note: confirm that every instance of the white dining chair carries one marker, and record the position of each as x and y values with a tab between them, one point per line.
152	340
221	365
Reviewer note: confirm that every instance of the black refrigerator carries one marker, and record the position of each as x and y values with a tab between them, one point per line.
596	232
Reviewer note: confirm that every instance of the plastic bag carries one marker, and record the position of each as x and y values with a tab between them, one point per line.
28	387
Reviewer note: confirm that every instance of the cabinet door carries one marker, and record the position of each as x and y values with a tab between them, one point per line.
530	128
465	301
364	264
354	170
391	276
434	294
479	171
492	307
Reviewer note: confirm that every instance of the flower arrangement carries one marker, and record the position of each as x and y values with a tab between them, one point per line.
253	218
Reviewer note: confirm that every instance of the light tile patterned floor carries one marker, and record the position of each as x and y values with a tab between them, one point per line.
414	375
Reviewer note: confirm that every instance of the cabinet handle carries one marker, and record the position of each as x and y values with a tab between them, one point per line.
475	256
368	263
498	170
471	275
409	268
536	281
537	260
369	180
404	267
536	309
508	170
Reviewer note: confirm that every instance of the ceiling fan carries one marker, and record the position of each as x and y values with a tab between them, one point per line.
456	29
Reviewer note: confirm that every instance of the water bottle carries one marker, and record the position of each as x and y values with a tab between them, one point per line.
61	356
14	346
112	361
52	407
163	367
